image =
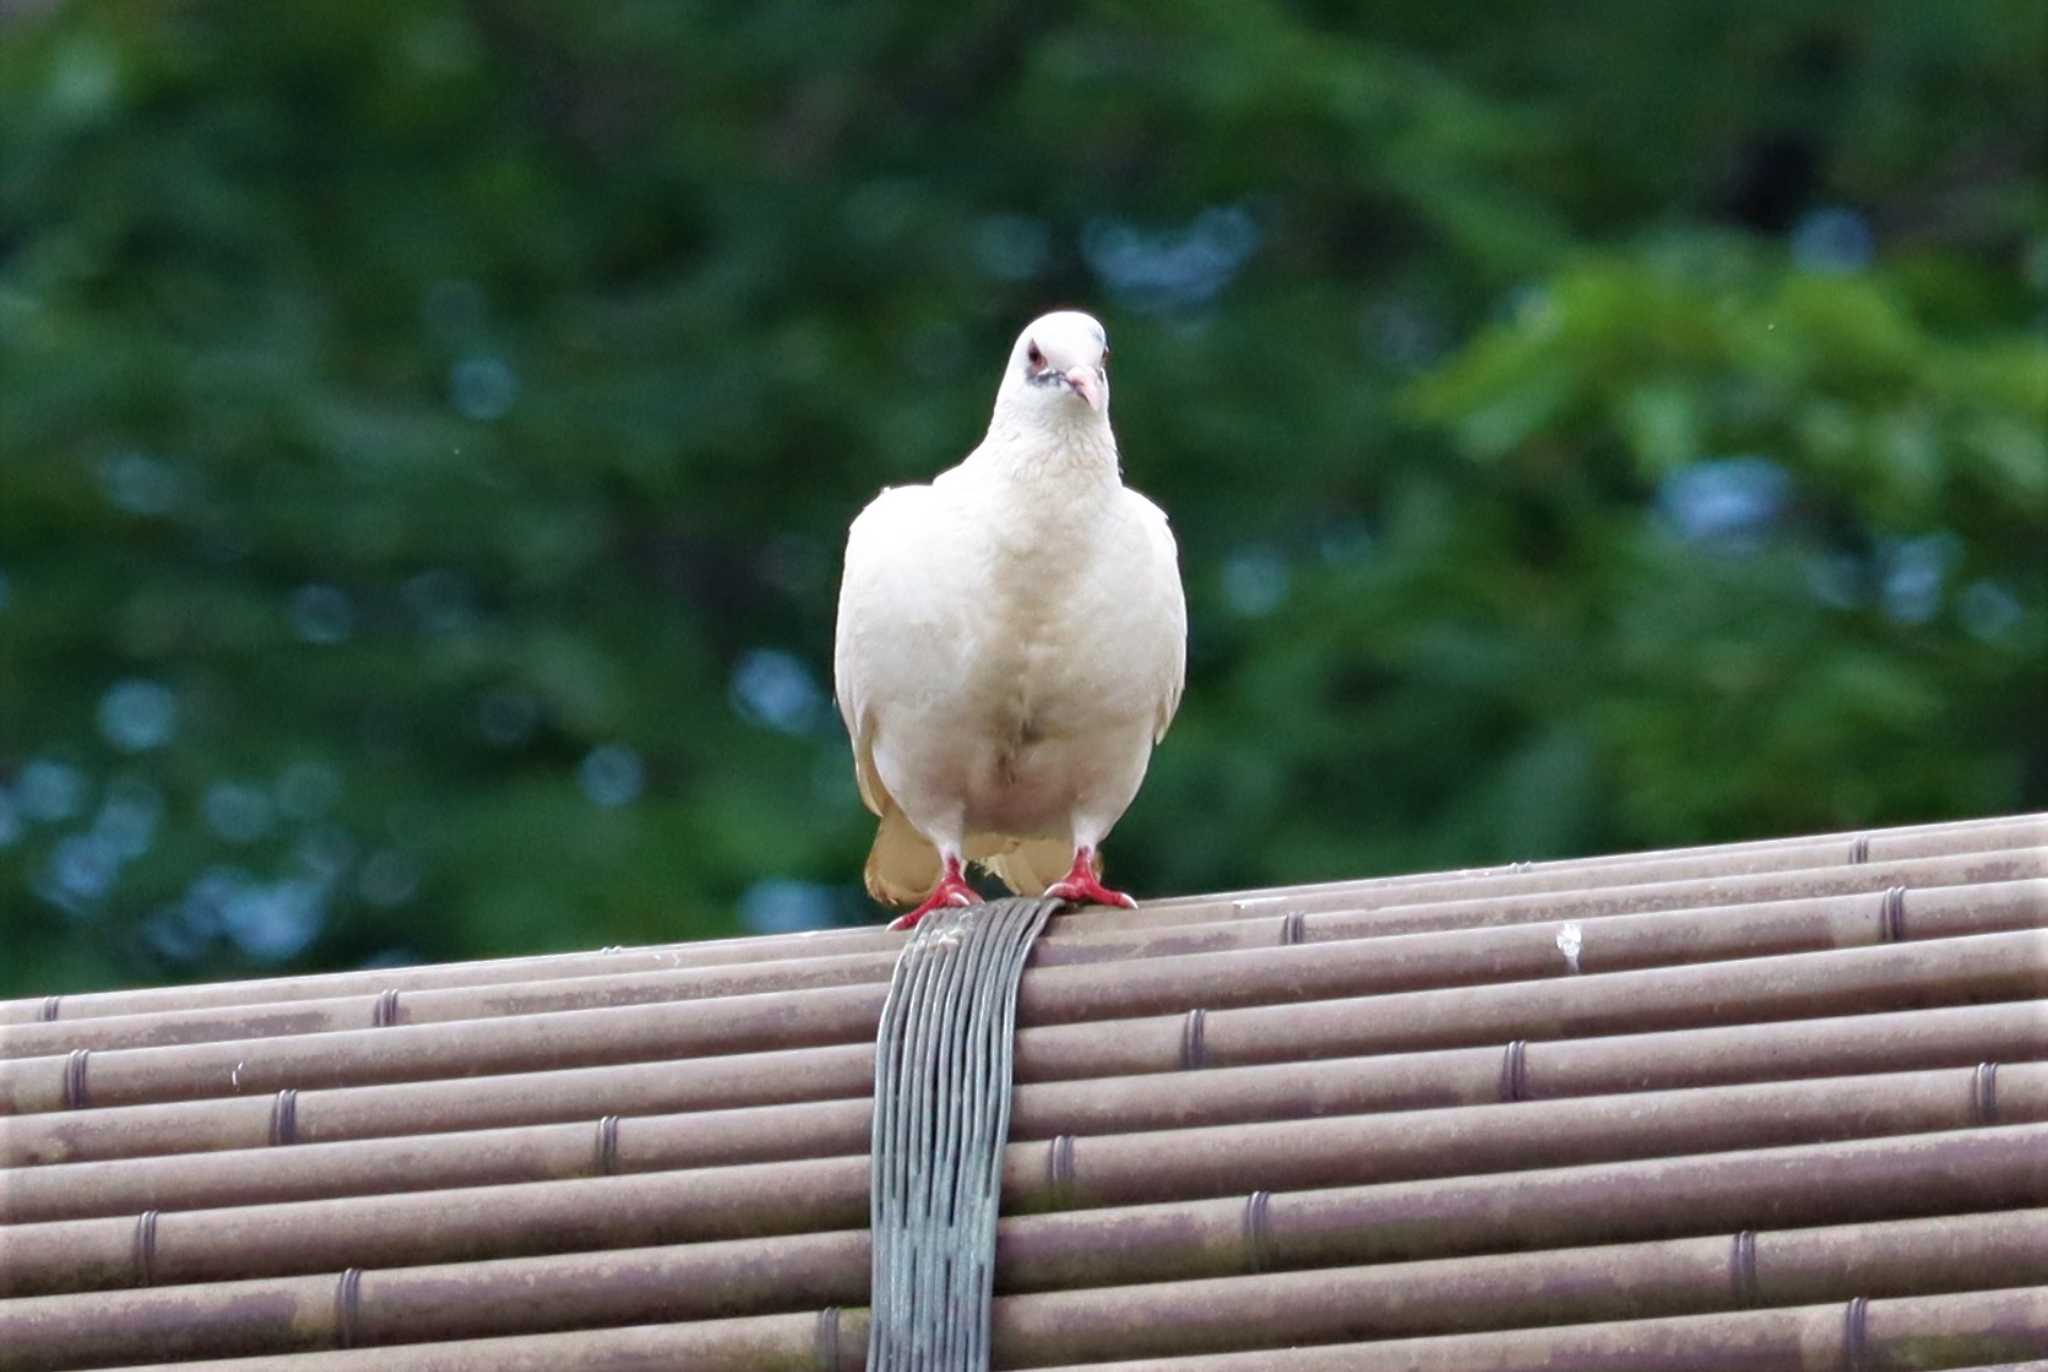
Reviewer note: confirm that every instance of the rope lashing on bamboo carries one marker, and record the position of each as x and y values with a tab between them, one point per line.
943	1060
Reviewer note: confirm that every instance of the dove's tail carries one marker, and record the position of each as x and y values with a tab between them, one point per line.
903	865
1030	865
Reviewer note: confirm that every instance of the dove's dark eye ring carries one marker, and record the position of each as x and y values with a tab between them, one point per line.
1034	356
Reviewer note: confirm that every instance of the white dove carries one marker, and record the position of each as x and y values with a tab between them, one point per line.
1012	641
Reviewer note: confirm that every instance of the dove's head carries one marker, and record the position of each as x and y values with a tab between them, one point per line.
1059	370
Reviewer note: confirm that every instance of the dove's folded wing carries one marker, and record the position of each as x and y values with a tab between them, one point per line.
1160	613
879	597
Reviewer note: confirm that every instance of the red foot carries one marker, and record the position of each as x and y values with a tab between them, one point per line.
951	890
1083	887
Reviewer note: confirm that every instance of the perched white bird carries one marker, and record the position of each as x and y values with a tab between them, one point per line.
1012	641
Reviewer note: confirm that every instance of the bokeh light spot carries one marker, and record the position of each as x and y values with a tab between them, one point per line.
776	690
389	878
507	718
238	812
1177	268
307	790
1915	572
611	775
136	715
483	387
128	816
1727	500
84	867
1989	611
275	920
1833	240
781	906
139	484
1011	247
1255	581
325	853
322	614
50	791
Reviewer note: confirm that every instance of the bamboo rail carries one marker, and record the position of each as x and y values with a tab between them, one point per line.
1508	952
1773	1104
720	1090
1874	851
1304	983
1094	1112
1159	1319
626	1207
1955	1331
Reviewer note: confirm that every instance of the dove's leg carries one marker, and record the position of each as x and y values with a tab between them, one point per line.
951	890
1083	887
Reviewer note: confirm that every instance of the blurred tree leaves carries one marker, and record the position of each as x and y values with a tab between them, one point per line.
426	433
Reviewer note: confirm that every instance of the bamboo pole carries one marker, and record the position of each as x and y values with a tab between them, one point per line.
626	1206
1115	1106
1953	1331
1160	1096
1154	1319
1496	952
1875	848
1232	990
1914	1332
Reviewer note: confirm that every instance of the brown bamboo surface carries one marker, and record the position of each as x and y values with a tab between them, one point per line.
1512	952
2009	835
1777	1104
1326	1305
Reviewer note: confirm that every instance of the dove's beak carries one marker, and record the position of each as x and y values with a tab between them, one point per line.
1086	382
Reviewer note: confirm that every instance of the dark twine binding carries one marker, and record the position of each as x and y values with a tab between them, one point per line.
1194	1053
385	1012
1742	1268
1294	928
608	1146
348	1293
826	1344
284	1117
144	1251
1859	851
1059	1167
1891	915
75	1097
50	1006
1984	1092
1514	1072
1856	1335
1258	1231
944	1058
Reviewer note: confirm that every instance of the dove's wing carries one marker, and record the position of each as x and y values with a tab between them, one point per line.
1159	613
886	610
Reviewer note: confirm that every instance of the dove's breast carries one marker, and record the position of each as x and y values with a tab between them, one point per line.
1011	666
1052	707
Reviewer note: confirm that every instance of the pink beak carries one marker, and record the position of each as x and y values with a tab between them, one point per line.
1087	383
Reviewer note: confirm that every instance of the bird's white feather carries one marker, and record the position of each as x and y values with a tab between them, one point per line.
1011	644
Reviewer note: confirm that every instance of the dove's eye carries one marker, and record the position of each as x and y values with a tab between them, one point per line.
1034	356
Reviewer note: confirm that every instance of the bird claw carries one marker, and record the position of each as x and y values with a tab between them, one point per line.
951	892
1088	891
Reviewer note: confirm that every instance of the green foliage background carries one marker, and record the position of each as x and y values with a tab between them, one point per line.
427	431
